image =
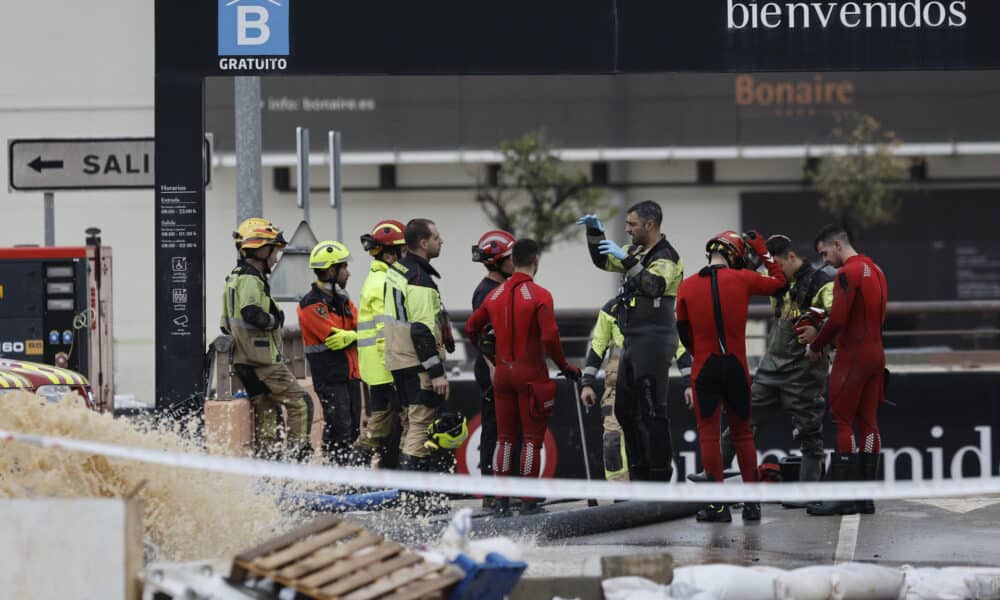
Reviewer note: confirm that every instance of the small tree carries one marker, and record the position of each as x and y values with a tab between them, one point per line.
535	195
859	184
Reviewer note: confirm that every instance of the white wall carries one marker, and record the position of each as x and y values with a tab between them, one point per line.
79	69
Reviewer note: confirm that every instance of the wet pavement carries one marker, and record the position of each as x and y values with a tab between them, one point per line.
945	532
922	533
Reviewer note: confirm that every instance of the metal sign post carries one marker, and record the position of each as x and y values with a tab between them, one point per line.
50	219
302	155
336	201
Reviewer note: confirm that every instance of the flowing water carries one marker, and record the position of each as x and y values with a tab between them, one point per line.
189	514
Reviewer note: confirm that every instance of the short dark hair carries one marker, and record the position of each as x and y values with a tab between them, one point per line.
417	230
525	252
647	210
832	232
779	245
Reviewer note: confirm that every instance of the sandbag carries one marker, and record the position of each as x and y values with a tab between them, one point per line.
729	582
982	583
640	588
807	583
930	583
861	581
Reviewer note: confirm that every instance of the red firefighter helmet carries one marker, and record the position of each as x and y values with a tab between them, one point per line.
731	246
385	234
493	247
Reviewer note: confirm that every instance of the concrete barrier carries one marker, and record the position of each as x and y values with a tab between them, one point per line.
81	548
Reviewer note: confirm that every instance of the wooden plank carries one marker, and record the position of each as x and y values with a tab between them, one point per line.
383	550
306	547
242	561
424	587
371	574
395	581
327	556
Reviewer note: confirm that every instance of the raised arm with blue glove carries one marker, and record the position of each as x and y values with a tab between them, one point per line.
609	247
592	222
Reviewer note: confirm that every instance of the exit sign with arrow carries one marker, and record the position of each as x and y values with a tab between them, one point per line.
40	165
84	164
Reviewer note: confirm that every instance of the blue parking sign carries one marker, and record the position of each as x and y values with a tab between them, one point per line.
253	27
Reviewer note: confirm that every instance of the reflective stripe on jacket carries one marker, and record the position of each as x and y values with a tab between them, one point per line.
649	284
607	338
248	314
371	326
321	314
413	314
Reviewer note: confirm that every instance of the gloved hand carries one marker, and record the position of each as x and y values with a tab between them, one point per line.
447	337
571	372
279	315
591	221
610	247
756	241
340	339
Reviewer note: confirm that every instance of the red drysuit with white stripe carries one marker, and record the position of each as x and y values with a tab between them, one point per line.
857	380
522	315
712	308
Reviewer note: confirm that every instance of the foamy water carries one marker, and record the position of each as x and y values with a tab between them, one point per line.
189	514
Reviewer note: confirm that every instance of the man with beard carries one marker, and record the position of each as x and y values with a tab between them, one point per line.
857	380
652	271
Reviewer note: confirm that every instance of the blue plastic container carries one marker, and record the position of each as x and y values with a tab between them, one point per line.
490	580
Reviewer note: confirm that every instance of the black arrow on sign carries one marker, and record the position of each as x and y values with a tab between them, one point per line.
38	164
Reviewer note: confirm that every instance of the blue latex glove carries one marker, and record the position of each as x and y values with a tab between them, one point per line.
591	221
609	247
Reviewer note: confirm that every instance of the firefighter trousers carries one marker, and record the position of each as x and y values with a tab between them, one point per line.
270	389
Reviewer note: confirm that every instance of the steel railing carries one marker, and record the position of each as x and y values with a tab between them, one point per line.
576	325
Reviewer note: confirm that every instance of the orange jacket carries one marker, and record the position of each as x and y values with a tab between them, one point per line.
319	314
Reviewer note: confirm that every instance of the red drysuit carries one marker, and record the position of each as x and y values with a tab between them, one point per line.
857	380
712	308
523	318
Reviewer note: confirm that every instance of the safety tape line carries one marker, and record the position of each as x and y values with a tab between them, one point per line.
515	486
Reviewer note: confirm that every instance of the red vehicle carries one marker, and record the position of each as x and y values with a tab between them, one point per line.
52	383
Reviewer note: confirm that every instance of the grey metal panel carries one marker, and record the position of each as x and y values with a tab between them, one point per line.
22	289
381	113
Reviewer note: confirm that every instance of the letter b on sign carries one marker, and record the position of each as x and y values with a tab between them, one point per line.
253	27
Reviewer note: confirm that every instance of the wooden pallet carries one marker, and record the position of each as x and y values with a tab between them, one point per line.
335	558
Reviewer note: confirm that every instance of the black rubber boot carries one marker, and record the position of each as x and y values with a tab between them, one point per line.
843	467
419	503
301	452
715	513
360	457
751	511
661	474
501	508
811	469
531	507
869	471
